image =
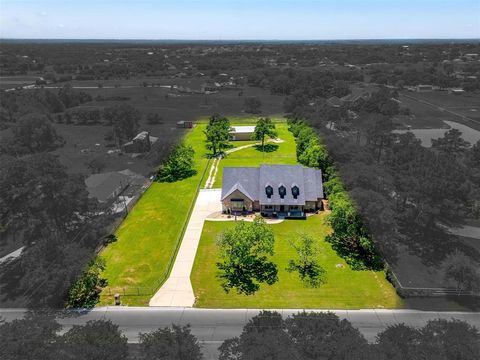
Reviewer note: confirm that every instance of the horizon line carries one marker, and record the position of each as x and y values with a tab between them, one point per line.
246	39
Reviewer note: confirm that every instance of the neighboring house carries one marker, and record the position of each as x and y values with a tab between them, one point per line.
107	186
140	143
422	88
272	190
355	98
238	133
334	101
185	124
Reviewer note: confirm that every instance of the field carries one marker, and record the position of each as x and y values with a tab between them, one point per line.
147	238
431	108
344	288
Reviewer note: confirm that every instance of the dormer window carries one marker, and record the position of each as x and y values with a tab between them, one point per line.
269	191
295	191
282	191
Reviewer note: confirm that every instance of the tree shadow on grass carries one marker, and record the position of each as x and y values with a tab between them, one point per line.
268	148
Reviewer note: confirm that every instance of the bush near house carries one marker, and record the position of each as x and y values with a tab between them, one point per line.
350	237
85	293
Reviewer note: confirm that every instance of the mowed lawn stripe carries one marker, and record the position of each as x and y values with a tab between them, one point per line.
147	238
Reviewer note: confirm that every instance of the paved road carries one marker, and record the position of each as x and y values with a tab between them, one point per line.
213	326
177	290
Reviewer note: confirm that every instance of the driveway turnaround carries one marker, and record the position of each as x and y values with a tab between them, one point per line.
177	290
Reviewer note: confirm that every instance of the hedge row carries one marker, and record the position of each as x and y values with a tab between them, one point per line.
350	237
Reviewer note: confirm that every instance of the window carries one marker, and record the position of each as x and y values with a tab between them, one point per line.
269	191
295	191
282	191
268	207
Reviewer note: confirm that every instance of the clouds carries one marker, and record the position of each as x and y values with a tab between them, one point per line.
246	19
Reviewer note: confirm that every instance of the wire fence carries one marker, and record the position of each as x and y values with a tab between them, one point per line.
151	289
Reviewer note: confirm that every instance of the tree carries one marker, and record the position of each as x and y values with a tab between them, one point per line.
217	133
454	339
96	340
180	164
85	292
399	341
175	343
306	264
124	119
324	336
35	133
451	143
303	335
154	119
462	272
32	337
476	154
95	166
263	337
264	127
253	105
243	251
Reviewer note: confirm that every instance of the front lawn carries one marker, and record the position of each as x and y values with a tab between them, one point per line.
344	288
147	238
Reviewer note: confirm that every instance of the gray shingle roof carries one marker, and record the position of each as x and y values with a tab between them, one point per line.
255	180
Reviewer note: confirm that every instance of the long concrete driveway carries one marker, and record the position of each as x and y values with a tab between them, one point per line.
177	290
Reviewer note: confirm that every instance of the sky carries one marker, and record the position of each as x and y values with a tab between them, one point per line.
240	19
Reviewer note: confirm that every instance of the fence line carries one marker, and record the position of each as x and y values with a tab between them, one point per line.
133	290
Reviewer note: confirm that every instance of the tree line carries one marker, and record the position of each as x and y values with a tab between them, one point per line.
268	335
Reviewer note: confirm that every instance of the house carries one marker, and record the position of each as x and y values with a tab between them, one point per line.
106	186
139	144
273	190
423	88
185	124
334	101
238	133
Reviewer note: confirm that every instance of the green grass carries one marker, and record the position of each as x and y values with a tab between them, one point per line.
344	287
285	153
148	236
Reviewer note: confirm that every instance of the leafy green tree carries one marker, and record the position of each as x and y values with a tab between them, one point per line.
85	292
306	264
217	133
180	164
96	340
476	154
451	143
265	127
322	335
244	251
36	133
462	272
154	119
175	343
124	119
315	155
32	337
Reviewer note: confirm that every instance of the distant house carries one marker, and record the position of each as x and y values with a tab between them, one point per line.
140	143
184	124
456	91
238	133
334	101
273	190
106	186
357	97
423	88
